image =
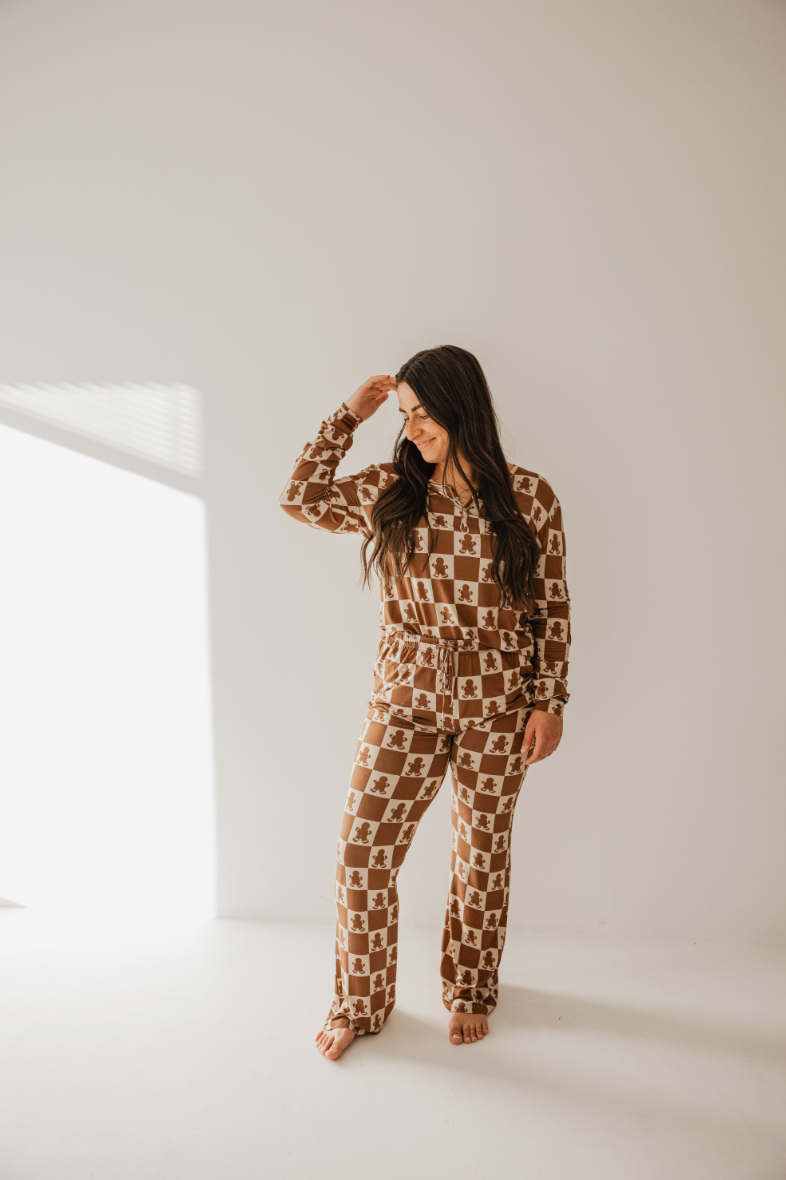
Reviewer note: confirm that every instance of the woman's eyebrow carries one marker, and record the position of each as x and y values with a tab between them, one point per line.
412	408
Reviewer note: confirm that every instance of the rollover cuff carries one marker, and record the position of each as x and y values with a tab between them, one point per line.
348	417
551	705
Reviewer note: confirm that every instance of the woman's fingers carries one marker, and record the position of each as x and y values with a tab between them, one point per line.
538	750
544	747
546	729
383	380
529	735
371	394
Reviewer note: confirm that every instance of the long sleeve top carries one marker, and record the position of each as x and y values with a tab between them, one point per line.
448	591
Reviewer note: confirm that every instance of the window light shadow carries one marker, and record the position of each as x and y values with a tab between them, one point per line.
159	423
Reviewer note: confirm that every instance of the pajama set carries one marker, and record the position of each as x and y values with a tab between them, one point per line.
455	681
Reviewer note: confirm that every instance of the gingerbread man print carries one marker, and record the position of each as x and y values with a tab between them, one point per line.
446	696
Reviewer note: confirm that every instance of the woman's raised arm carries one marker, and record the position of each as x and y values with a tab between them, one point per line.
313	495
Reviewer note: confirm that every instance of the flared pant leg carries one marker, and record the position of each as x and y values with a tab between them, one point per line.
396	774
488	769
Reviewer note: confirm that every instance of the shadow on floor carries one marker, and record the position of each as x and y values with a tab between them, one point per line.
528	1008
602	1077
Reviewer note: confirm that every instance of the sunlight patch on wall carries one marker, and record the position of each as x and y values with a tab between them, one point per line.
106	788
162	423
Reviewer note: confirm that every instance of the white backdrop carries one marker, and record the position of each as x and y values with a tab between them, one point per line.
271	201
106	793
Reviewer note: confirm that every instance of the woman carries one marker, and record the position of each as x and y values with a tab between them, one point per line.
471	671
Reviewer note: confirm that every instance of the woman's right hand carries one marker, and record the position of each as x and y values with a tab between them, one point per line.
366	400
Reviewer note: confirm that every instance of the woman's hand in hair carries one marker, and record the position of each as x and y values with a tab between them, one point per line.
545	729
366	400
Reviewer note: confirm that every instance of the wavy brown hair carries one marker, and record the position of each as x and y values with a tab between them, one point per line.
452	388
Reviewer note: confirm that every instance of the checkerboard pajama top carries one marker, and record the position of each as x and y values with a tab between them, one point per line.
448	593
455	681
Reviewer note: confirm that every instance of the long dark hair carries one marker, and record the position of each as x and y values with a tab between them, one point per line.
452	388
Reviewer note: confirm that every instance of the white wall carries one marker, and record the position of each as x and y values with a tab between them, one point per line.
106	794
271	201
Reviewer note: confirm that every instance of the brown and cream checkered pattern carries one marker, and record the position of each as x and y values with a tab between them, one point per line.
448	592
397	772
455	681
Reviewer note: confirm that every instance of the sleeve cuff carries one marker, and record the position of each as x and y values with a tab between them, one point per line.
550	705
352	419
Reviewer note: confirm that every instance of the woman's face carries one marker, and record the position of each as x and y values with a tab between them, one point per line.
430	439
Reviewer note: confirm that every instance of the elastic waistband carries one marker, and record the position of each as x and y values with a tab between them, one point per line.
469	644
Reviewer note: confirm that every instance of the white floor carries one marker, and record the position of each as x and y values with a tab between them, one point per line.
187	1055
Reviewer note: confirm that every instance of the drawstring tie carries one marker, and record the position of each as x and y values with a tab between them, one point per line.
445	670
446	649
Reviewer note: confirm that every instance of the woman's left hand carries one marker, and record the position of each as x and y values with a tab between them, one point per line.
545	729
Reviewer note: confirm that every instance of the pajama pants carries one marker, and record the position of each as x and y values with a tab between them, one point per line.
400	763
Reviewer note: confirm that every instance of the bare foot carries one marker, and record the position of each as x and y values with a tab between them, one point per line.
465	1028
334	1041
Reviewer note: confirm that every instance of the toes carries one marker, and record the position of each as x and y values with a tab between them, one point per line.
336	1041
468	1032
